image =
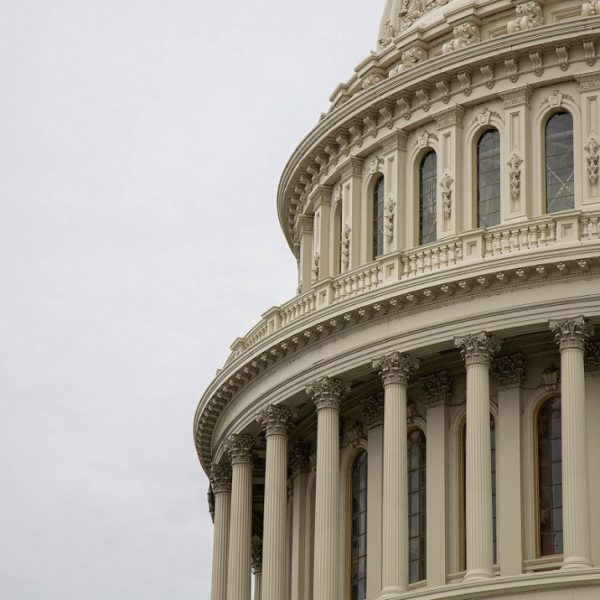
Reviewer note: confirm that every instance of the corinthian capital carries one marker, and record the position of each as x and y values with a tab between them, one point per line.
395	367
436	388
276	420
240	448
509	370
327	392
477	348
571	333
220	478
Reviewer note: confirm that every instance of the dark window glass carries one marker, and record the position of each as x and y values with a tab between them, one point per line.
340	236
550	478
464	498
358	570
488	179
427	199
377	248
560	171
417	513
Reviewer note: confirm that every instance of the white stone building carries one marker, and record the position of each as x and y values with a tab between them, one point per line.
423	419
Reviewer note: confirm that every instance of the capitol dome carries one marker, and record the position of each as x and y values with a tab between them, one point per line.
422	420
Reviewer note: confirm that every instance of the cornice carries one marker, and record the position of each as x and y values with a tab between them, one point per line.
454	286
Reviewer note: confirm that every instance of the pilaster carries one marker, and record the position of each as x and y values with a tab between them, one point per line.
306	228
352	172
322	242
394	167
589	100
220	479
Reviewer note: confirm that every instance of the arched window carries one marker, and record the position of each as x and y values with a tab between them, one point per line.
428	198
463	558
377	208
358	558
488	179
417	513
560	164
550	477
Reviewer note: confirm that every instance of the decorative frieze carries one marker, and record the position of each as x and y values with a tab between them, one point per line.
446	185
396	368
388	215
220	478
450	117
276	420
327	392
437	388
394	142
589	82
592	149
353	167
478	348
527	16
463	35
571	333
514	171
372	410
509	371
240	448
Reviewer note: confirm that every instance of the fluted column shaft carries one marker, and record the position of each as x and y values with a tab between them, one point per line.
275	421
571	335
240	449
327	397
395	369
221	484
478	351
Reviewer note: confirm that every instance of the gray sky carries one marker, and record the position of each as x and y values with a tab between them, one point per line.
141	143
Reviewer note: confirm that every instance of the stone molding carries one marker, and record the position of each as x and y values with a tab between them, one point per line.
276	420
509	371
571	333
396	368
220	478
477	348
328	392
240	448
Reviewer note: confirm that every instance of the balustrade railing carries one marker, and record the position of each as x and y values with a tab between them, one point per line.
534	235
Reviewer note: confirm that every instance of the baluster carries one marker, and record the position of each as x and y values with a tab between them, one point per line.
488	245
413	264
444	256
458	252
552	232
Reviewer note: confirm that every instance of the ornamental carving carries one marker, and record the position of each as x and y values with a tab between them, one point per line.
509	371
345	247
464	35
562	53
327	392
437	388
396	368
555	99
537	62
487	71
240	448
388	216
409	59
404	106
355	436
443	86
571	333
372	409
590	8
477	348
551	378
589	49
411	10
375	166
299	460
527	16
373	79
316	267
446	186
220	478
593	160
592	357
276	420
388	34
514	166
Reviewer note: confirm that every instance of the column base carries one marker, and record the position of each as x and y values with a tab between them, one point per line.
576	563
478	575
394	593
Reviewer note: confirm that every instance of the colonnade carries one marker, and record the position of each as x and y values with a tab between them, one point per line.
232	485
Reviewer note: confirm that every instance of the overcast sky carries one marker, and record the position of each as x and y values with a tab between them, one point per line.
141	143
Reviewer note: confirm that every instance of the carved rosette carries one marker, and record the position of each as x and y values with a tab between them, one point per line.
509	371
327	392
571	333
256	556
299	461
396	368
240	448
477	348
220	478
592	357
276	420
372	410
437	388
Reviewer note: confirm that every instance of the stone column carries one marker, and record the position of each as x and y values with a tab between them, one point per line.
437	393
275	421
478	350
395	368
327	394
240	448
220	479
571	335
299	468
373	417
256	560
508	372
